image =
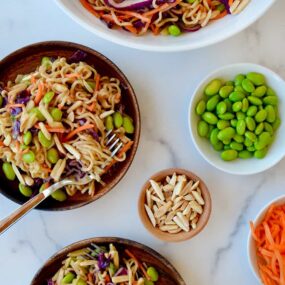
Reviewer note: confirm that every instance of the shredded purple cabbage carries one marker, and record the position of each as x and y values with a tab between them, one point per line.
16	129
50	282
15	111
23	97
122	271
78	56
227	5
73	168
138	24
81	122
94	135
5	101
103	262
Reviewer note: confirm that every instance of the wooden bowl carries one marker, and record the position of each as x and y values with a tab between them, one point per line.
181	236
167	273
26	60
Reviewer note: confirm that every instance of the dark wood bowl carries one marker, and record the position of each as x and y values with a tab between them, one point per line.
26	60
168	274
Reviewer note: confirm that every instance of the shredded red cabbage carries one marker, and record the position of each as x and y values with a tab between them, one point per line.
23	97
122	271
15	111
16	129
78	56
103	262
227	5
50	282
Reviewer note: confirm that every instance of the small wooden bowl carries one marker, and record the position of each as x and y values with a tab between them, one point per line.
168	275
26	60
181	236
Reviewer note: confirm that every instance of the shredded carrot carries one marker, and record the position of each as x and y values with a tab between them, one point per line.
40	94
221	15
78	130
72	75
131	29
1	144
91	107
107	279
97	81
89	277
51	129
89	7
231	2
59	106
161	8
269	238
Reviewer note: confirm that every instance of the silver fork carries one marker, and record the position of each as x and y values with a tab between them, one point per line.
114	144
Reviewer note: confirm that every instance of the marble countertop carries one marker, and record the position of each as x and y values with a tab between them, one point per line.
218	255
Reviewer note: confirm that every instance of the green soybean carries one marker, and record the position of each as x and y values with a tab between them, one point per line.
268	128
152	273
264	140
8	171
240	115
244	154
234	122
236	96
221	108
56	114
38	114
238	79
270	92
27	138
260	116
237	106
211	127
225	91
109	123
52	155
81	282
201	107
210	118
202	128
118	119
257	78
259	129
68	278
259	91
247	85
251	148
236	146
212	103
254	100
226	134
248	142
276	124
44	141
241	126
222	124
218	146
25	190
213	87
261	153
250	123
48	97
227	147
226	116
59	195
270	100
45	61
229	83
174	30
214	136
271	115
29	157
238	138
250	135
229	155
245	105
252	110
229	105
148	282
128	125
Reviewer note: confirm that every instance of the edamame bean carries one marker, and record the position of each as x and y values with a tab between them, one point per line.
241	126
212	103
268	128
238	138
254	100
260	116
128	125
276	124
109	123
261	153
152	273
25	190
118	119
251	148
236	96
234	122
227	147
244	154
225	91
56	114
38	114
221	108
237	106
259	129
247	85
211	127
203	128
52	155
27	138
245	105
229	105
264	140
248	142
210	118
201	107
226	116
238	79
218	146
250	123
45	61
259	91
29	157
240	116
48	97
250	135
213	87
270	92
214	136
257	78
271	116
81	282
252	110
44	141
270	100
240	89
174	30
229	155
222	124
236	146
226	134
148	282
8	171
68	278
59	195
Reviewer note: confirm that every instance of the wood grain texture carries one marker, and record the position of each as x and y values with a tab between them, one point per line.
26	60
168	274
181	236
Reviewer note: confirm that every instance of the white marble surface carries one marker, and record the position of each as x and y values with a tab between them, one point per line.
163	83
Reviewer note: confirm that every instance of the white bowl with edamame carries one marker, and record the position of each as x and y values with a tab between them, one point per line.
240	166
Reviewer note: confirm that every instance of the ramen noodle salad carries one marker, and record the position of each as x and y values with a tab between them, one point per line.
54	122
165	17
103	266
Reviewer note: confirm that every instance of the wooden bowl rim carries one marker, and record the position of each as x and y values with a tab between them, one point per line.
65	44
115	240
181	236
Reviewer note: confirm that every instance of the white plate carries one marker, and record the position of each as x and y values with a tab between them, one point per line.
240	166
215	32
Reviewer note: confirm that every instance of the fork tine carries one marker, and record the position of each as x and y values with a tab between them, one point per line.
108	133
116	149
110	139
114	144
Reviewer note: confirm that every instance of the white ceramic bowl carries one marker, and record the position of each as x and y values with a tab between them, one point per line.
215	32
251	248
240	166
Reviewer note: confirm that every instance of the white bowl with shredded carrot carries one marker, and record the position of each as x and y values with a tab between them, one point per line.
266	243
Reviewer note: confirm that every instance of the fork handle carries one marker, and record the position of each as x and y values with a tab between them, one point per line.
20	212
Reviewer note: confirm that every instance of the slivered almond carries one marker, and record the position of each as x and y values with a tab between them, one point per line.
174	231
196	207
189	197
187	188
173	179
176	206
187	210
167	228
157	200
193	216
198	197
162	210
150	215
183	220
195	185
167	188
180	224
148	199
184	205
157	189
